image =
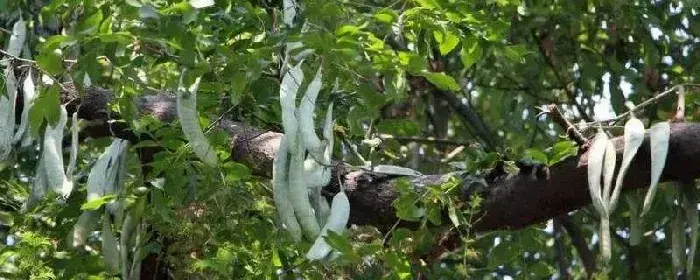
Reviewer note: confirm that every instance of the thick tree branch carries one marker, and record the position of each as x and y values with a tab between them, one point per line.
511	202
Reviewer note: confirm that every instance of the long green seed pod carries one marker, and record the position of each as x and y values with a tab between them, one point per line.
28	95
128	226
110	250
86	223
7	113
281	196
299	193
288	94
19	34
52	155
658	137
634	136
187	112
690	203
596	156
306	118
337	221
608	171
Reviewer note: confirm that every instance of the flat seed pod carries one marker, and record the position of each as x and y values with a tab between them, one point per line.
52	155
7	113
19	34
28	95
608	172
103	174
596	155
605	242
658	137
298	192
634	136
110	249
87	222
306	118
187	112
280	185
337	221
288	94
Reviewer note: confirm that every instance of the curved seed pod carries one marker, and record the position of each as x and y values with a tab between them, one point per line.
608	172
690	203
392	170
322	211
74	128
281	191
187	112
110	250
596	155
634	136
28	95
338	219
288	94
52	154
19	34
658	138
635	224
83	227
298	193
103	174
605	243
128	227
7	113
677	240
39	187
306	118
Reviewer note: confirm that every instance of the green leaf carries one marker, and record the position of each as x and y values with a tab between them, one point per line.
452	213
45	107
471	52
441	80
561	151
384	16
90	24
98	202
398	127
51	62
447	41
6	218
536	155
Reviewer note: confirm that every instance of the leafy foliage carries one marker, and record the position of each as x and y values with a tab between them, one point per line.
388	66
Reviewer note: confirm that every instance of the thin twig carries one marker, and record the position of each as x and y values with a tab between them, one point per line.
35	66
642	105
428	140
565	124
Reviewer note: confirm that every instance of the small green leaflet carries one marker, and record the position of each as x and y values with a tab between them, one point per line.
98	202
447	41
441	80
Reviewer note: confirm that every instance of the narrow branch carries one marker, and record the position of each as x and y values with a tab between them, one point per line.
565	124
427	140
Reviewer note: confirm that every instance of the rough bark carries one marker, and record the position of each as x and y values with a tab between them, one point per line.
511	202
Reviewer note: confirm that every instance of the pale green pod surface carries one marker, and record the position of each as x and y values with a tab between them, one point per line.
306	118
298	192
187	112
128	227
19	34
608	172
288	94
658	137
596	155
634	136
87	222
7	113
110	249
52	155
39	187
280	185
28	95
337	221
605	242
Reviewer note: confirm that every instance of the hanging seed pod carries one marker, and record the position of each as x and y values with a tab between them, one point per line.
110	249
306	118
596	155
280	185
187	112
634	137
690	204
635	223
658	137
337	221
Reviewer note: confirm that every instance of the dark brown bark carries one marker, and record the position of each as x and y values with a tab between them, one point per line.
510	203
